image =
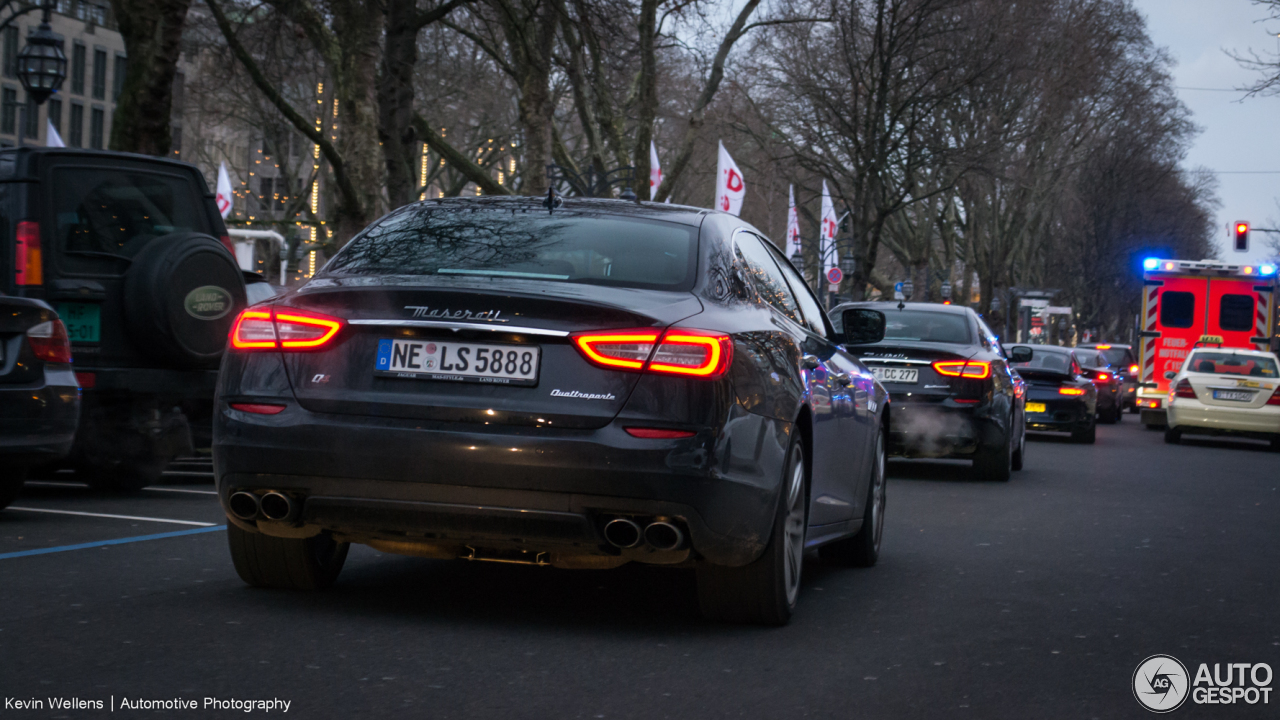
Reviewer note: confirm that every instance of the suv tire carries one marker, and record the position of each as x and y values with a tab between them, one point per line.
1086	435
286	563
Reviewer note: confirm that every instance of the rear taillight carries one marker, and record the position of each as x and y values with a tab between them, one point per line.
1275	397
1070	391
49	341
86	380
678	351
283	329
969	369
28	266
1103	377
1133	369
1184	389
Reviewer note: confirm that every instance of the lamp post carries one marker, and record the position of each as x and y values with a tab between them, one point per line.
42	66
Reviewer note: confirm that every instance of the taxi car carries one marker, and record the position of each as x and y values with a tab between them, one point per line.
1225	391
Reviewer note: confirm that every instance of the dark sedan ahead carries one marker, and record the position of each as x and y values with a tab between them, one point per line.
39	395
579	385
1060	398
953	394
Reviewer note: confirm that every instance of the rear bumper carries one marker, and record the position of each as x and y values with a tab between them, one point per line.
39	421
1186	413
1059	415
937	430
370	479
172	385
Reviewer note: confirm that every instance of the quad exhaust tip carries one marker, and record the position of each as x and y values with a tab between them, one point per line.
663	535
622	533
244	505
278	506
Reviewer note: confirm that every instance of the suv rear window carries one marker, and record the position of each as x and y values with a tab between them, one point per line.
1177	309
501	243
1235	312
103	214
1116	356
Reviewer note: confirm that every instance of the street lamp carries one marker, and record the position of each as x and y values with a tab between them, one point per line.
797	260
42	66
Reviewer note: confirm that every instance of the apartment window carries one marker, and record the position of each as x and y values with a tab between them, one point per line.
8	111
77	68
117	79
99	74
96	119
75	126
33	118
55	114
11	52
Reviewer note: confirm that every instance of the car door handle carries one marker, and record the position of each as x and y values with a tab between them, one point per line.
842	378
810	362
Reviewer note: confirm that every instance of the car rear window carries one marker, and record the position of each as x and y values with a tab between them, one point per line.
104	216
1222	363
1177	309
1091	358
1115	356
927	326
499	243
1047	360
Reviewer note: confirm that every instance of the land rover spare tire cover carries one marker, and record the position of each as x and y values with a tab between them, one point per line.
181	295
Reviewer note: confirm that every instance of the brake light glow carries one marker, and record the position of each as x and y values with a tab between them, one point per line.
1103	347
1149	404
1104	377
1133	369
49	341
1184	389
258	408
969	369
678	351
1070	391
28	265
658	433
283	329
1275	397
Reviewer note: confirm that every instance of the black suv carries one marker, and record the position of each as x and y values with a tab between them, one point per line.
132	253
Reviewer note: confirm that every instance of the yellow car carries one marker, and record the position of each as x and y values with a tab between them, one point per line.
1225	391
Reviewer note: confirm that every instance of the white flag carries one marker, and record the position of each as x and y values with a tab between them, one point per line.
224	190
828	245
51	136
793	222
655	170
729	187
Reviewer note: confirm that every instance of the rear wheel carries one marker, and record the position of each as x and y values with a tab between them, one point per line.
765	591
863	549
286	563
11	485
995	463
1173	435
1086	435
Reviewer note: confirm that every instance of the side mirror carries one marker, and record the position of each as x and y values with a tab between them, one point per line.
1020	354
1169	374
862	326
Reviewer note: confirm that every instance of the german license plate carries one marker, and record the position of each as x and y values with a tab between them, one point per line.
1233	395
1036	407
459	361
83	321
896	375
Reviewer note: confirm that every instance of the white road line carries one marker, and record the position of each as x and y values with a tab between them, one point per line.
42	483
208	473
182	490
117	517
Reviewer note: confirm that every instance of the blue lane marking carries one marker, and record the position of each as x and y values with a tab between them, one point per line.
102	543
384	354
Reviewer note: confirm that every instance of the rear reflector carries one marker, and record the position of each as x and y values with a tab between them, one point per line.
283	329
28	266
658	433
86	380
49	341
678	351
967	401
1070	391
258	408
968	369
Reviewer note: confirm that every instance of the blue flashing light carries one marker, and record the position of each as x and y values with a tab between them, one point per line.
1267	270
1150	263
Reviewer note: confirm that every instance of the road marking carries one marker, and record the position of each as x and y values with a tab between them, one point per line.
42	483
103	543
191	473
117	517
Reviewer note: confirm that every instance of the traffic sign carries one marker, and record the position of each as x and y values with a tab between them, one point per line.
834	276
897	291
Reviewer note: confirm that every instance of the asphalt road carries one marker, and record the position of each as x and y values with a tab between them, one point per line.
1033	599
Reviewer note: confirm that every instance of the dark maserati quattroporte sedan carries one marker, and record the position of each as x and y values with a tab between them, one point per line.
576	383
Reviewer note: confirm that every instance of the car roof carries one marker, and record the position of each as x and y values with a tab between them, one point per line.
18	162
1054	348
892	305
667	212
1110	346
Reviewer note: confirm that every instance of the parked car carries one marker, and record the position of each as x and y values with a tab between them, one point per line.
1105	377
1125	362
132	254
1059	396
39	396
580	383
952	391
1225	391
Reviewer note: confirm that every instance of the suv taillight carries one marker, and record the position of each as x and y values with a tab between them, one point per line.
49	341
283	329
28	266
1184	389
679	351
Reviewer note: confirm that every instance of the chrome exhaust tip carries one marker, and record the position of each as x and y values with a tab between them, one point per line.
622	533
278	506
243	505
663	535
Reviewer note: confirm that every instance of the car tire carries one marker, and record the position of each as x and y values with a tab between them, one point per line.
1020	453
124	476
11	486
1087	435
1112	416
995	464
286	563
764	592
863	549
1173	435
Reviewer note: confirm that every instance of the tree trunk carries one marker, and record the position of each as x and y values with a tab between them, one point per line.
647	106
359	36
395	102
152	32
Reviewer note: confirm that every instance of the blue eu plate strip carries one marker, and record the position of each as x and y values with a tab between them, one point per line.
384	354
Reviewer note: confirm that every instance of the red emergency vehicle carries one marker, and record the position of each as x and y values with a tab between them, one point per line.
1184	300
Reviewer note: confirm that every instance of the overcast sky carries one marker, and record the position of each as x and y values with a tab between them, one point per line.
1236	135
